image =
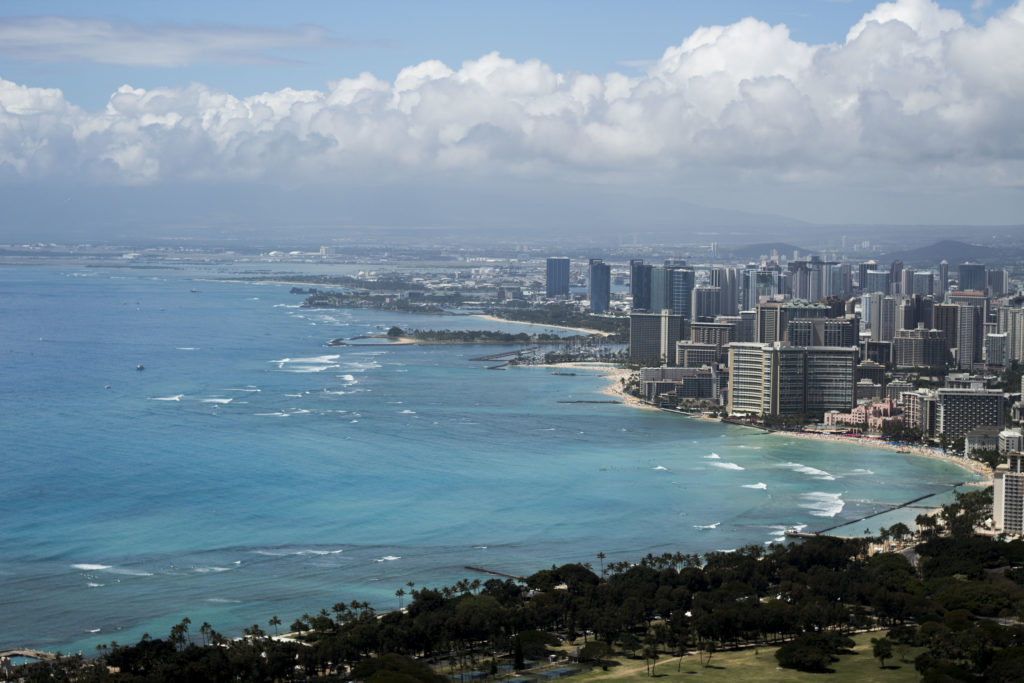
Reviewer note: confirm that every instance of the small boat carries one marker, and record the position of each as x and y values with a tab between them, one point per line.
140	367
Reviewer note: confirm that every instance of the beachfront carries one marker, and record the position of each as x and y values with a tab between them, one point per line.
618	376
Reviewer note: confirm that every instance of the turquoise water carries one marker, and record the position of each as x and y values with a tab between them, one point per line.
251	471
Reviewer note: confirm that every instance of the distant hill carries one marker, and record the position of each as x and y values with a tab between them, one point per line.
955	253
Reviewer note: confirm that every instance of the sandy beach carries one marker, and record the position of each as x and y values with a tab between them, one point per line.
615	374
581	330
972	466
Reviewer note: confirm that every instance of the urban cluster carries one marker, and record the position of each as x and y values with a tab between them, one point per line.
892	352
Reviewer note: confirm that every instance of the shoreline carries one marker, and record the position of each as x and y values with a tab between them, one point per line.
496	319
615	373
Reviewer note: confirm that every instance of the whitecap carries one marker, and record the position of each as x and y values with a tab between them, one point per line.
388	558
223	601
93	630
407	412
221	401
713	456
129	572
753	448
810	471
95	585
706	526
823	504
860	471
271	414
353	421
248	389
348	378
480	547
208	570
91	567
659	467
168	398
186	348
758	485
294	395
727	465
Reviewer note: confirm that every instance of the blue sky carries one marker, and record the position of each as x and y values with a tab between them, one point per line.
826	112
596	36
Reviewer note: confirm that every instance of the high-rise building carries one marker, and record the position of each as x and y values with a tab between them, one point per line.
877	281
681	282
640	284
823	331
599	285
653	336
895	277
943	282
707	303
958	411
883	317
862	277
996	281
557	283
996	350
923	283
660	299
778	379
759	284
1008	495
947	319
920	348
1011	322
727	279
972	277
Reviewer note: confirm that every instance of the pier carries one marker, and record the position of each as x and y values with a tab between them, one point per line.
909	503
494	573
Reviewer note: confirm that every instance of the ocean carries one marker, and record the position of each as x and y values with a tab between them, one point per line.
251	471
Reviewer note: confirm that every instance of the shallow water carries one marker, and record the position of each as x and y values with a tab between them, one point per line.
252	471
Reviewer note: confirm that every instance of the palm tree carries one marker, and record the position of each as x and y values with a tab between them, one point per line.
400	593
205	630
275	622
601	556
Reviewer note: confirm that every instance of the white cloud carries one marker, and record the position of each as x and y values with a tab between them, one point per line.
67	39
915	98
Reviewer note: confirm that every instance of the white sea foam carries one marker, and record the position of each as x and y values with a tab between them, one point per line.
211	570
167	398
348	378
306	369
186	348
810	471
753	448
388	558
247	389
706	526
860	471
759	485
223	601
294	395
221	401
659	467
129	572
91	567
727	465
95	585
271	414
713	456
407	412
93	630
823	504
480	547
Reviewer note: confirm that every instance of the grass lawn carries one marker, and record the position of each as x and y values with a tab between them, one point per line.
744	665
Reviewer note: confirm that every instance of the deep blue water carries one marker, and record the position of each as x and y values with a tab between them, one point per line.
252	471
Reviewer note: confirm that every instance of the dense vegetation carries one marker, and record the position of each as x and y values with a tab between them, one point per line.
569	315
959	608
475	336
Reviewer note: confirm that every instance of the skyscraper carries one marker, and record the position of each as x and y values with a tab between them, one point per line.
599	285
557	283
943	283
640	284
972	277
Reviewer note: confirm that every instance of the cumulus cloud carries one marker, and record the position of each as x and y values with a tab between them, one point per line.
914	97
68	39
